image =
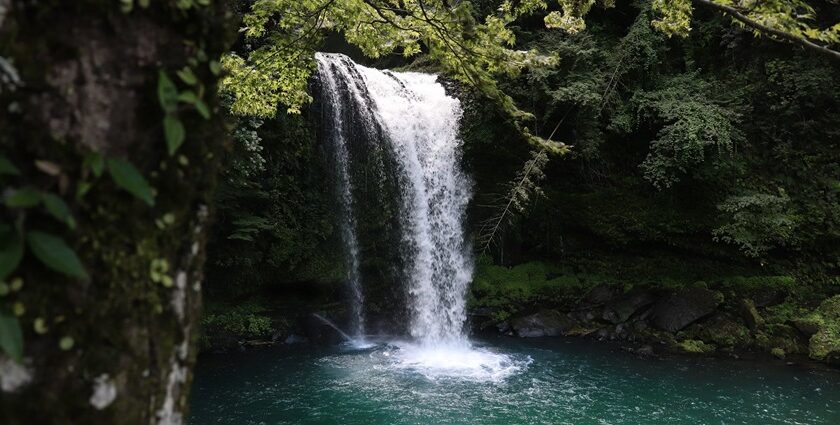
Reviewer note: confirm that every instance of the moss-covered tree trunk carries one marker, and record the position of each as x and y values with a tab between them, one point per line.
78	89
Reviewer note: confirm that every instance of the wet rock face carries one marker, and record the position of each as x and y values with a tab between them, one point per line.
543	323
684	307
623	308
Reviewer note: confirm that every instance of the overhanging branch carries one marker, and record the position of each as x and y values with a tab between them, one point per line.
735	13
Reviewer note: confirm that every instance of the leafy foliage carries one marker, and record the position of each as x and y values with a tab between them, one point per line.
11	337
55	254
693	125
246	320
126	176
757	223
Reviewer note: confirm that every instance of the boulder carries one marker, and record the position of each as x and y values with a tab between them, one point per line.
618	311
543	323
684	307
722	329
768	297
750	314
599	295
805	326
645	351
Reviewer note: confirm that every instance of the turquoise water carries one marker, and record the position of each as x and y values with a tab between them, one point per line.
552	381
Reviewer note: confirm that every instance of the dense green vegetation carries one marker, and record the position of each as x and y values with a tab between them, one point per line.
710	159
617	147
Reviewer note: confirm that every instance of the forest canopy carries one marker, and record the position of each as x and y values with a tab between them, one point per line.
472	48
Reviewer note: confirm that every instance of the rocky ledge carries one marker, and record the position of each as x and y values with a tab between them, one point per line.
693	320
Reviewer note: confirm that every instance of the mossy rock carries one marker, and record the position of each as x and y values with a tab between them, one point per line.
785	337
696	346
722	330
751	315
826	342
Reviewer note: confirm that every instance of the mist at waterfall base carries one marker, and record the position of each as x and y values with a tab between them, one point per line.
419	124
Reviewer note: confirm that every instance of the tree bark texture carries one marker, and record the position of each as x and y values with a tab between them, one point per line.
79	78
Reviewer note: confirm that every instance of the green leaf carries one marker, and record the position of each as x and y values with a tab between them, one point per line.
11	336
11	251
23	198
167	92
188	97
202	109
95	162
6	166
126	176
83	189
59	209
55	254
215	67
187	75
174	131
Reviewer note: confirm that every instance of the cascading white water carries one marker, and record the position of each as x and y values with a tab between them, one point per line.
420	123
331	93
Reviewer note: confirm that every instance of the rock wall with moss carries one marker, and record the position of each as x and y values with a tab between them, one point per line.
109	162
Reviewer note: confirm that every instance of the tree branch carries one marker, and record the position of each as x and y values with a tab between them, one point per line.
735	13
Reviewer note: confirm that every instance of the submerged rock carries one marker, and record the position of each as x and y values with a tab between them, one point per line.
543	323
623	308
684	307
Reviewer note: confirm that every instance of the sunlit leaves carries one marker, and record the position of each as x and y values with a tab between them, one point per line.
793	18
674	16
278	71
571	19
55	254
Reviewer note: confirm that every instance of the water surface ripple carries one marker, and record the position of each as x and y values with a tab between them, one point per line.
543	382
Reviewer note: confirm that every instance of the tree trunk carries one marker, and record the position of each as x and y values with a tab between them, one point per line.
79	78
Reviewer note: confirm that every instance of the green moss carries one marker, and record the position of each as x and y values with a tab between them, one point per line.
722	331
827	340
509	289
696	346
246	320
784	312
745	283
778	353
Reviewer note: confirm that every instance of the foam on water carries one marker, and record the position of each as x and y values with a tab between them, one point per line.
454	361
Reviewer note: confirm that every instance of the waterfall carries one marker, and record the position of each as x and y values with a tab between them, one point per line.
337	110
419	122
